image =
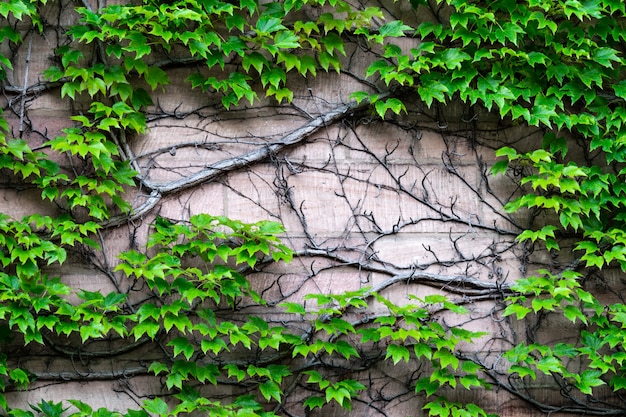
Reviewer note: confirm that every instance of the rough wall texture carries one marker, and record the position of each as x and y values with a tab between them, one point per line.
405	206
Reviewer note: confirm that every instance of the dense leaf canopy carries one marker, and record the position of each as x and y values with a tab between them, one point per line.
558	65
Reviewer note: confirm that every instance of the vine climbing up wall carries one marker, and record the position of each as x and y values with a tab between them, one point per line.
311	208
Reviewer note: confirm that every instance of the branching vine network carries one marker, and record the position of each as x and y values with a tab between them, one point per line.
406	268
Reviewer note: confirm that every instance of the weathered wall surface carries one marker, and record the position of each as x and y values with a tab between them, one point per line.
405	205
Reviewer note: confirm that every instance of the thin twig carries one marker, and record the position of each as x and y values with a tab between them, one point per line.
25	84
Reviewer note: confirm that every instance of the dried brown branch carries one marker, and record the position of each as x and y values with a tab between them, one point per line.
460	284
238	162
138	212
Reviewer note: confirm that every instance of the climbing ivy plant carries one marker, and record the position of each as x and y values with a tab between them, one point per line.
557	65
553	64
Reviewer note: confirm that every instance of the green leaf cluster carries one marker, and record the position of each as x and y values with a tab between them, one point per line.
556	65
409	333
192	269
265	41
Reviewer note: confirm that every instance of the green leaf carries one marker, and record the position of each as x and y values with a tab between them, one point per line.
395	28
235	372
270	389
422	349
215	345
510	153
156	77
549	365
431	92
605	56
84	409
286	40
255	60
139	45
308	65
446	358
7	32
71	56
470	367
156	406
70	88
520	311
235	21
268	24
333	42
393	104
275	77
381	66
314	401
182	323
293	308
522	371
572	313
454	57
618	382
345	349
158	368
397	353
289	60
182	345
500	167
469	381
330	23
327	60
588	379
53	74
147	327
535	58
427	386
19	377
359	96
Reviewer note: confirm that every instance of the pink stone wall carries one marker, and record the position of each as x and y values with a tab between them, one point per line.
406	205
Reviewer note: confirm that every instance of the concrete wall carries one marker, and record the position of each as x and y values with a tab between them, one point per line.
406	205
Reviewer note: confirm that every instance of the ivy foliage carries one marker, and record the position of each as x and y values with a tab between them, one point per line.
553	64
190	269
261	43
557	65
